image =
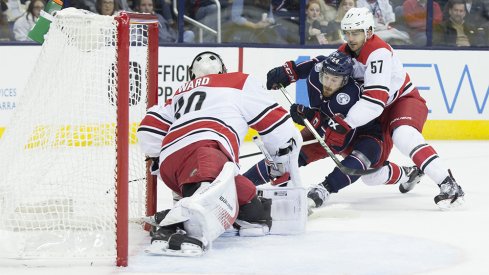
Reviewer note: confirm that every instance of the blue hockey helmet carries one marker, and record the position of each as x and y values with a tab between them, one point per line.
338	63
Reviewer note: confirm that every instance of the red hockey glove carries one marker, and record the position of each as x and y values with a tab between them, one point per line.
336	130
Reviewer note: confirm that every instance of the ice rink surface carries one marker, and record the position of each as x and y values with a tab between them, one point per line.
362	230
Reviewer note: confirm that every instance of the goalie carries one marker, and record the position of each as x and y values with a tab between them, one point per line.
194	138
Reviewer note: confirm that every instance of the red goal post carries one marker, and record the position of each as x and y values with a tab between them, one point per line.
73	177
123	44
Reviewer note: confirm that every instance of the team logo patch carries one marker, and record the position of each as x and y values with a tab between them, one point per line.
342	98
318	67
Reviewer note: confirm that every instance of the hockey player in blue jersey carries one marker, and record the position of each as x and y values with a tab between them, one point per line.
332	91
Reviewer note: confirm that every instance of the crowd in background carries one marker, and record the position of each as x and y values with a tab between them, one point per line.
460	23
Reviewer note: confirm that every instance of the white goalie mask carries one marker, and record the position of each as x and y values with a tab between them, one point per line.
358	19
206	63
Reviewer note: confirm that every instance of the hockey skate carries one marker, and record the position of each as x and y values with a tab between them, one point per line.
317	196
172	241
451	194
414	174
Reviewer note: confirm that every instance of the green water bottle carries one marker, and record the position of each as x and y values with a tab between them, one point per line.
42	25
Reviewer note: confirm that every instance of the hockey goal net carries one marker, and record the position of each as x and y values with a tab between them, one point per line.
72	175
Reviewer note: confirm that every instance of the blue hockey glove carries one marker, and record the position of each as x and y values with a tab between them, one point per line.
283	75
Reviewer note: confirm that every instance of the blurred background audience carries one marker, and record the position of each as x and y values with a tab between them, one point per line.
26	21
400	22
455	30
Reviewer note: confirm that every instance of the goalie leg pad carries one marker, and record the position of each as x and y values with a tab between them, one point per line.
289	209
210	210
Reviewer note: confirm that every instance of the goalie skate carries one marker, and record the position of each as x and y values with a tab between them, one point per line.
167	242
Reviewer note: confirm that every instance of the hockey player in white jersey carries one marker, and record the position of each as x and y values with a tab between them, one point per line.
195	137
390	95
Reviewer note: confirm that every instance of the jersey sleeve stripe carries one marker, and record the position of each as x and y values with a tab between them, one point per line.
269	119
155	122
263	113
204	124
153	130
159	117
376	98
272	127
376	87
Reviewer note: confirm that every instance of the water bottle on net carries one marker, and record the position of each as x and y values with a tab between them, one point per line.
46	17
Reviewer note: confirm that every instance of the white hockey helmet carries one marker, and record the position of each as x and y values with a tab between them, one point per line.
206	63
358	19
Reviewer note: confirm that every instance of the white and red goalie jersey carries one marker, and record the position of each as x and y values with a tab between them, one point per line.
383	77
218	107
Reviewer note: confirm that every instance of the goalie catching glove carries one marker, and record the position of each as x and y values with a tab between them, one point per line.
154	166
283	75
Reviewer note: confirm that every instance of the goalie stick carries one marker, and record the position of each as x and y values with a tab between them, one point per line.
261	146
344	169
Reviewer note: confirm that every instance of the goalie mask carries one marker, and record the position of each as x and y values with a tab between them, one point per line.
206	63
335	71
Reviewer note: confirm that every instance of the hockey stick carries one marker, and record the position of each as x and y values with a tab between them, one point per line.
344	169
259	153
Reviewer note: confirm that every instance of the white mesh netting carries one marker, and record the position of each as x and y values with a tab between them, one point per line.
58	153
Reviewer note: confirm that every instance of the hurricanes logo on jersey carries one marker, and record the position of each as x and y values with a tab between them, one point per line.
343	98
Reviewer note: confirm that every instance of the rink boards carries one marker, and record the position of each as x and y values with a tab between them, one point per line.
456	89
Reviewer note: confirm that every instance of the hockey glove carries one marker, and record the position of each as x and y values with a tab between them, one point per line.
285	163
154	167
284	75
300	112
336	130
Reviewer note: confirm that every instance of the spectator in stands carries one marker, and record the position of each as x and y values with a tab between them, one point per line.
314	24
166	11
251	24
15	9
318	30
106	7
384	17
329	9
285	15
4	26
78	4
454	31
415	18
205	11
478	12
336	36
344	6
166	34
24	24
97	5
